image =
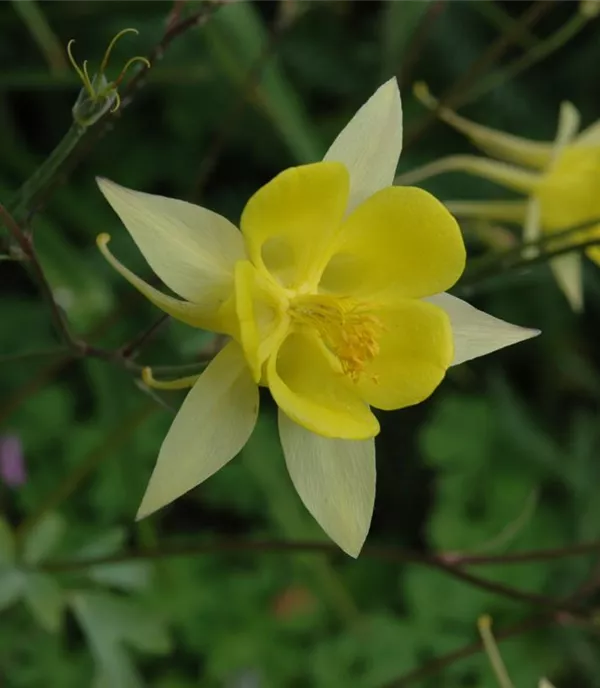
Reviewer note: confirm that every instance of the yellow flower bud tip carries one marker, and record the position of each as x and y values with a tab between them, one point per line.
484	623
179	383
147	377
102	240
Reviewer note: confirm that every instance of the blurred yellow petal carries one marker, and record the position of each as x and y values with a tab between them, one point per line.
335	479
370	144
191	249
496	143
261	313
476	333
311	389
189	313
289	223
403	241
506	175
590	136
211	427
567	271
414	351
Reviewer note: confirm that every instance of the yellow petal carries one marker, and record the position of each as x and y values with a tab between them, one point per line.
190	313
191	249
289	223
306	387
335	479
261	314
415	350
496	143
370	144
211	427
567	270
400	240
509	176
476	333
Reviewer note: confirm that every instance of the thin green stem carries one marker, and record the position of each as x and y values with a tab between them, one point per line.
33	190
439	663
451	565
43	34
534	55
55	352
491	265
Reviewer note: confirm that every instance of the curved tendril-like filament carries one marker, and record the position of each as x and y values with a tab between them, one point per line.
133	60
88	81
81	73
117	104
111	45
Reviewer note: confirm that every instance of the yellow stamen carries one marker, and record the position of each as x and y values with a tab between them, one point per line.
179	383
346	328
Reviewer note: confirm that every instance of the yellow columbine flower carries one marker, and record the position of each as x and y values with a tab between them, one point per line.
332	294
560	178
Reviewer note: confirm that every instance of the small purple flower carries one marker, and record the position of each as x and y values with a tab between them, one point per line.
12	461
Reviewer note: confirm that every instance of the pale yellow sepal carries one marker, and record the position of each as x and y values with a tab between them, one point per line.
211	427
476	333
335	479
370	144
189	313
567	270
193	250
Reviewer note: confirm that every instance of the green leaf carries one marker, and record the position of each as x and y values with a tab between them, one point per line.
7	544
110	623
43	538
12	582
238	40
81	292
45	599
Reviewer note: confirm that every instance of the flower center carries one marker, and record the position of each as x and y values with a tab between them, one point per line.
347	328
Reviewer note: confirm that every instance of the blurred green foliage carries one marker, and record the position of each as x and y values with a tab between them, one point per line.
502	458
